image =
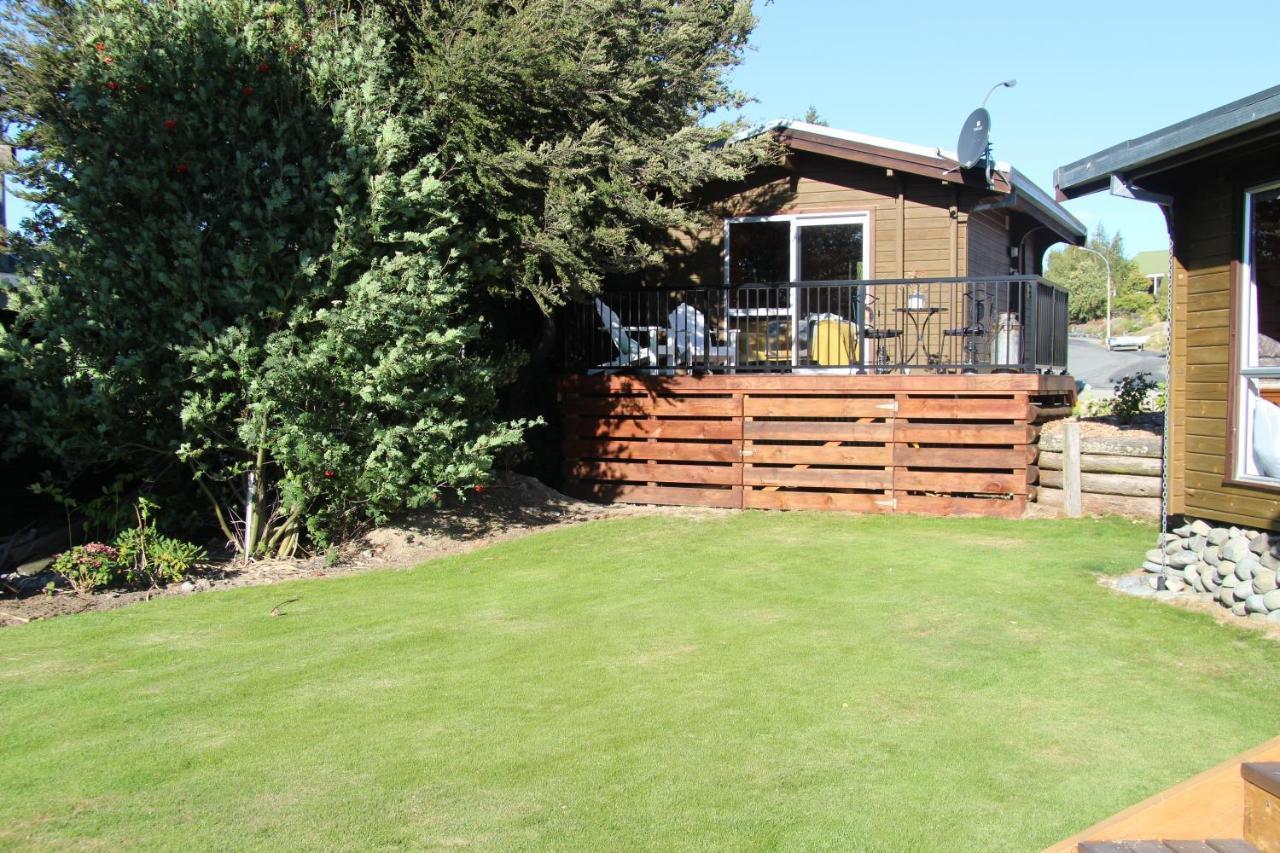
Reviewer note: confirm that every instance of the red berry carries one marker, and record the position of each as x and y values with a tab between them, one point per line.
328	474
247	91
113	85
481	489
100	47
263	68
183	168
170	123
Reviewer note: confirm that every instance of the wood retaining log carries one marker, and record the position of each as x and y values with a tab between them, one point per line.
1096	504
1098	463
1138	444
1107	484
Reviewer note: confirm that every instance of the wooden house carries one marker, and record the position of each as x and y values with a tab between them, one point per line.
860	326
1217	178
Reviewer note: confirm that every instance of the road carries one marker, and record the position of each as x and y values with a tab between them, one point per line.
1092	364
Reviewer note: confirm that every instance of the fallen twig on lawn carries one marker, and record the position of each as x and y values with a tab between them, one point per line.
14	616
275	611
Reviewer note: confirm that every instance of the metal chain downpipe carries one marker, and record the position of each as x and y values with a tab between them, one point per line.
1165	454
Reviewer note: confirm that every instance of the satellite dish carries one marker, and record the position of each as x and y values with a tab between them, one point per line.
975	138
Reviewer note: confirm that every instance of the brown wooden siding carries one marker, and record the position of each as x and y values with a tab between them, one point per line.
931	214
1207	240
987	244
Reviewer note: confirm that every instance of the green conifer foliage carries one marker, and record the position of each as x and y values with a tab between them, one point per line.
264	229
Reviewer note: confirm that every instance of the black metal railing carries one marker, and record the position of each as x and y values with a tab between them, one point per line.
944	325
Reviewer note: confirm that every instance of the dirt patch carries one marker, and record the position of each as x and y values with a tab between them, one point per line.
514	506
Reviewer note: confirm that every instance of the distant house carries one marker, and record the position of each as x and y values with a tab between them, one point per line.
1217	177
1154	266
859	326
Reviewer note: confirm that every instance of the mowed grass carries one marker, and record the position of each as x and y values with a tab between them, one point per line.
749	681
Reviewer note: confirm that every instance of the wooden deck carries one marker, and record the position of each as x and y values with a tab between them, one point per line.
1213	804
932	443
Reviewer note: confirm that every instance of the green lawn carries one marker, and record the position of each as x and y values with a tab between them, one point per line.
755	680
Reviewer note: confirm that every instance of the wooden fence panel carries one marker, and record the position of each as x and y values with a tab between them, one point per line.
944	444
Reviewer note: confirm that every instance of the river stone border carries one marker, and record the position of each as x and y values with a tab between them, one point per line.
1233	566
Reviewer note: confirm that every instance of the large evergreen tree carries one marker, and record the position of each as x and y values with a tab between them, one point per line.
263	227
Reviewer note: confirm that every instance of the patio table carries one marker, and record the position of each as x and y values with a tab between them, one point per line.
920	328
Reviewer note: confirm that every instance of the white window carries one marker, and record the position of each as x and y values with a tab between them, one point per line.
1257	451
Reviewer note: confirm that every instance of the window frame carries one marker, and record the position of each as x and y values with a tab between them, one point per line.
1244	334
796	222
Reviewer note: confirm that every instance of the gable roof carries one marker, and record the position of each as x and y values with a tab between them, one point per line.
937	163
1251	117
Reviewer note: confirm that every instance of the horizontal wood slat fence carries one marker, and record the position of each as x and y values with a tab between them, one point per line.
933	444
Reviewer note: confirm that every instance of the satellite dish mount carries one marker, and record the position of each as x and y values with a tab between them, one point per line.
974	147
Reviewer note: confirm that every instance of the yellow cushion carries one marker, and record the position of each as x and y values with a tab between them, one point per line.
834	343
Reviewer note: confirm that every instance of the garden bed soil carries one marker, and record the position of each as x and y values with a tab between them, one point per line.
514	506
1144	425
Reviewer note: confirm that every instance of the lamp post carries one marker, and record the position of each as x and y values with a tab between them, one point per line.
1107	340
1008	84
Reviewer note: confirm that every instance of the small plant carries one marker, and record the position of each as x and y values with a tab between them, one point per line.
89	567
1131	396
151	558
1097	407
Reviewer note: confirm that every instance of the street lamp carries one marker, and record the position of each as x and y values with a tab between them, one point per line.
1107	341
1008	84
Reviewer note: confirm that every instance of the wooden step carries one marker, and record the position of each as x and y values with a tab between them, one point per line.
1213	845
1262	804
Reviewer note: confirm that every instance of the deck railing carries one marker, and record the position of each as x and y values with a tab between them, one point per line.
943	325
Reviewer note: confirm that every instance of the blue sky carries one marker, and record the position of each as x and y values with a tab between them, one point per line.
1090	74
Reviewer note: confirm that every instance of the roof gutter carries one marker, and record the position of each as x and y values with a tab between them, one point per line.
1143	155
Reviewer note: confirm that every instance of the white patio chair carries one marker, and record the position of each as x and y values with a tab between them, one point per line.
630	353
687	334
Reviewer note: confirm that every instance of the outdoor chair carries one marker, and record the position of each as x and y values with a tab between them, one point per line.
833	342
689	343
969	335
630	352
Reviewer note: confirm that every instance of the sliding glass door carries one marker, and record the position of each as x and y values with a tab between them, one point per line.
807	326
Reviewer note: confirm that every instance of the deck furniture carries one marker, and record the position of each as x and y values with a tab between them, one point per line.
690	341
971	334
774	328
833	342
630	353
881	341
920	328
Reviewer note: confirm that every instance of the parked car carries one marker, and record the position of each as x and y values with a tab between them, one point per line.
1126	342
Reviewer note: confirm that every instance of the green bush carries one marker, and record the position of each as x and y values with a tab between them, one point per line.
90	567
150	558
153	559
1130	398
141	557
